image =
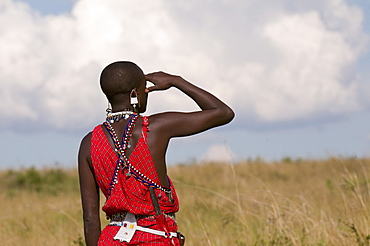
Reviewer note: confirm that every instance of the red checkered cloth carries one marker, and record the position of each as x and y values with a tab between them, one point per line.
129	194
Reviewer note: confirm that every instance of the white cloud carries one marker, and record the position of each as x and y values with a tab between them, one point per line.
218	153
308	77
287	64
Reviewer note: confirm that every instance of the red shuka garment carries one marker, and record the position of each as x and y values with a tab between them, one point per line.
129	194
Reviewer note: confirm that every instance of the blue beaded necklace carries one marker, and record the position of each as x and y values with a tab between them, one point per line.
123	162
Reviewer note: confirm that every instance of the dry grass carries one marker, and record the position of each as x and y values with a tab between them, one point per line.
287	203
40	208
308	202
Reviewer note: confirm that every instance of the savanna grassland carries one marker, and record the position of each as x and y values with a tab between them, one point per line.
292	202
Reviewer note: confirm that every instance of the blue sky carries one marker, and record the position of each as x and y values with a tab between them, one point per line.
296	74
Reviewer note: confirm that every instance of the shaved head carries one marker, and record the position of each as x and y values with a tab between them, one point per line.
119	78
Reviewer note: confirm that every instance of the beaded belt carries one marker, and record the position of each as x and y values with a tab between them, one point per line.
117	217
145	229
128	226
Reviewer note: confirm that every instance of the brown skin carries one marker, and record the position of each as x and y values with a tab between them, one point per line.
163	127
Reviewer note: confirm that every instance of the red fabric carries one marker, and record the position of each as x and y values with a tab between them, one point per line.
130	194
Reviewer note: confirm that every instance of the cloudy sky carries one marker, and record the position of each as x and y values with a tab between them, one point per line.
295	72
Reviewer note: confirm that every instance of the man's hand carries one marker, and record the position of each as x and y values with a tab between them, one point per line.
161	81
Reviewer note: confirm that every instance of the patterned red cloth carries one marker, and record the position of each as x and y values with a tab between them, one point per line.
129	194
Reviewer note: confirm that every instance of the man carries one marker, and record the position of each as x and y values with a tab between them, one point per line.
125	157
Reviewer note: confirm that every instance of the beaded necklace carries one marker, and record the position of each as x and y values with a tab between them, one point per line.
123	161
117	116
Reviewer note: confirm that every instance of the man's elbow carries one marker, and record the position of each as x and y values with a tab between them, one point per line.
91	231
91	224
229	115
225	115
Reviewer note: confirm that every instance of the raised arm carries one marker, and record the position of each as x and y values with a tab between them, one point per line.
213	111
89	194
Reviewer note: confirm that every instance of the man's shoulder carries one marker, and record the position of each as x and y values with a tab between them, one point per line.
162	122
86	139
163	115
161	118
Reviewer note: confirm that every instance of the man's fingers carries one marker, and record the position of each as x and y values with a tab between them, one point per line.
150	76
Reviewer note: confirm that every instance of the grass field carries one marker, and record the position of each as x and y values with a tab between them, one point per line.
292	202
